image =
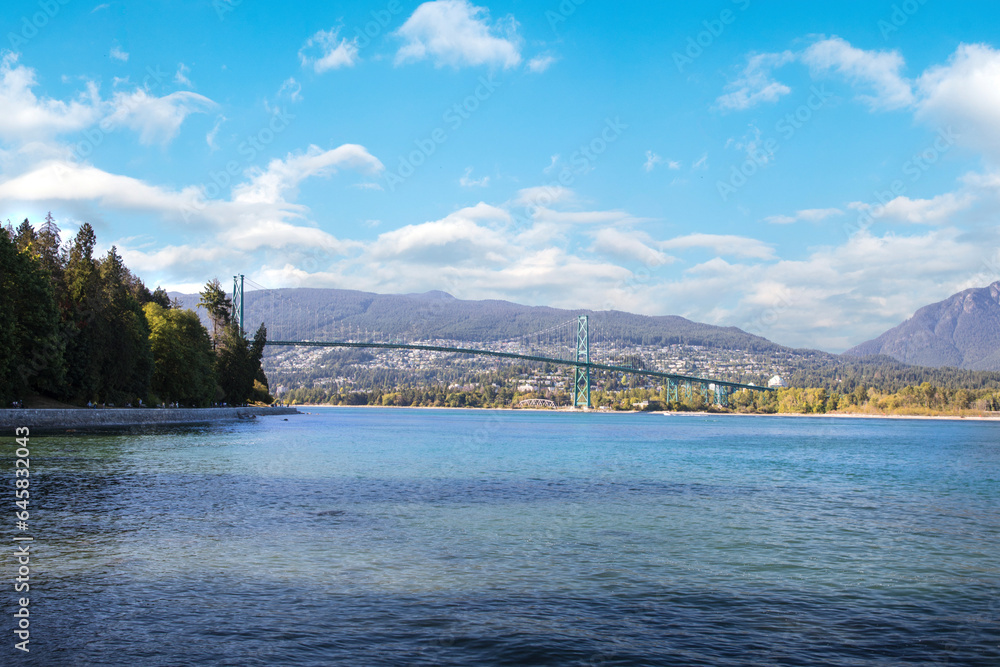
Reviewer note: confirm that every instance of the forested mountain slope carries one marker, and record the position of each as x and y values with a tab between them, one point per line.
306	314
962	331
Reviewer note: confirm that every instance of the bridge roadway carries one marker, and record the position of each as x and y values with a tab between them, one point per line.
525	357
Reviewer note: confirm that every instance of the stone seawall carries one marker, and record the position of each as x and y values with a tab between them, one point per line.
78	418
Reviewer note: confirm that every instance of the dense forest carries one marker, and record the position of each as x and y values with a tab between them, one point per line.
85	330
845	374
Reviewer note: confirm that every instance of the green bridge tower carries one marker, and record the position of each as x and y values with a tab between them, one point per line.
581	384
238	301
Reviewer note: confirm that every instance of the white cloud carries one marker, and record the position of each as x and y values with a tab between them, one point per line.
965	94
210	137
555	277
737	246
873	283
171	257
818	214
26	117
543	195
754	145
281	234
100	7
754	85
272	185
988	181
466	181
326	50
833	298
807	215
938	210
701	163
118	54
156	119
652	159
181	78
880	70
457	33
261	200
459	238
467	266
539	64
629	246
291	89
254	224
582	217
56	181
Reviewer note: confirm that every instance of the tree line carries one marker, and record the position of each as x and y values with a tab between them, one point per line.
494	390
85	330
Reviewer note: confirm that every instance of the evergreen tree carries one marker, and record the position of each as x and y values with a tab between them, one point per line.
82	313
182	354
234	366
218	305
126	361
160	297
24	237
32	357
8	288
48	243
238	366
257	354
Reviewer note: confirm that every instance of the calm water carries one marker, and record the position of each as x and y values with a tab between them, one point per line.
383	537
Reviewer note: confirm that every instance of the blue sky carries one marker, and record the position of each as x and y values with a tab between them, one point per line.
811	173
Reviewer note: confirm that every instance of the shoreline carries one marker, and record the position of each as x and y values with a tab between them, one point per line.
66	419
831	415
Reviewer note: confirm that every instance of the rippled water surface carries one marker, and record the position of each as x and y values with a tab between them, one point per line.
383	537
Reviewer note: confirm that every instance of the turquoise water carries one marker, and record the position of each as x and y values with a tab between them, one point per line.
383	537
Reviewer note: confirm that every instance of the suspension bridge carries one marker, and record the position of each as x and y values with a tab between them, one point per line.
584	352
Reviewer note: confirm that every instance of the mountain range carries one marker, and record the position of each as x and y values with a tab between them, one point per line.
962	331
308	313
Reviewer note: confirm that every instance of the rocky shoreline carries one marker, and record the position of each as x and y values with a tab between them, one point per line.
58	419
